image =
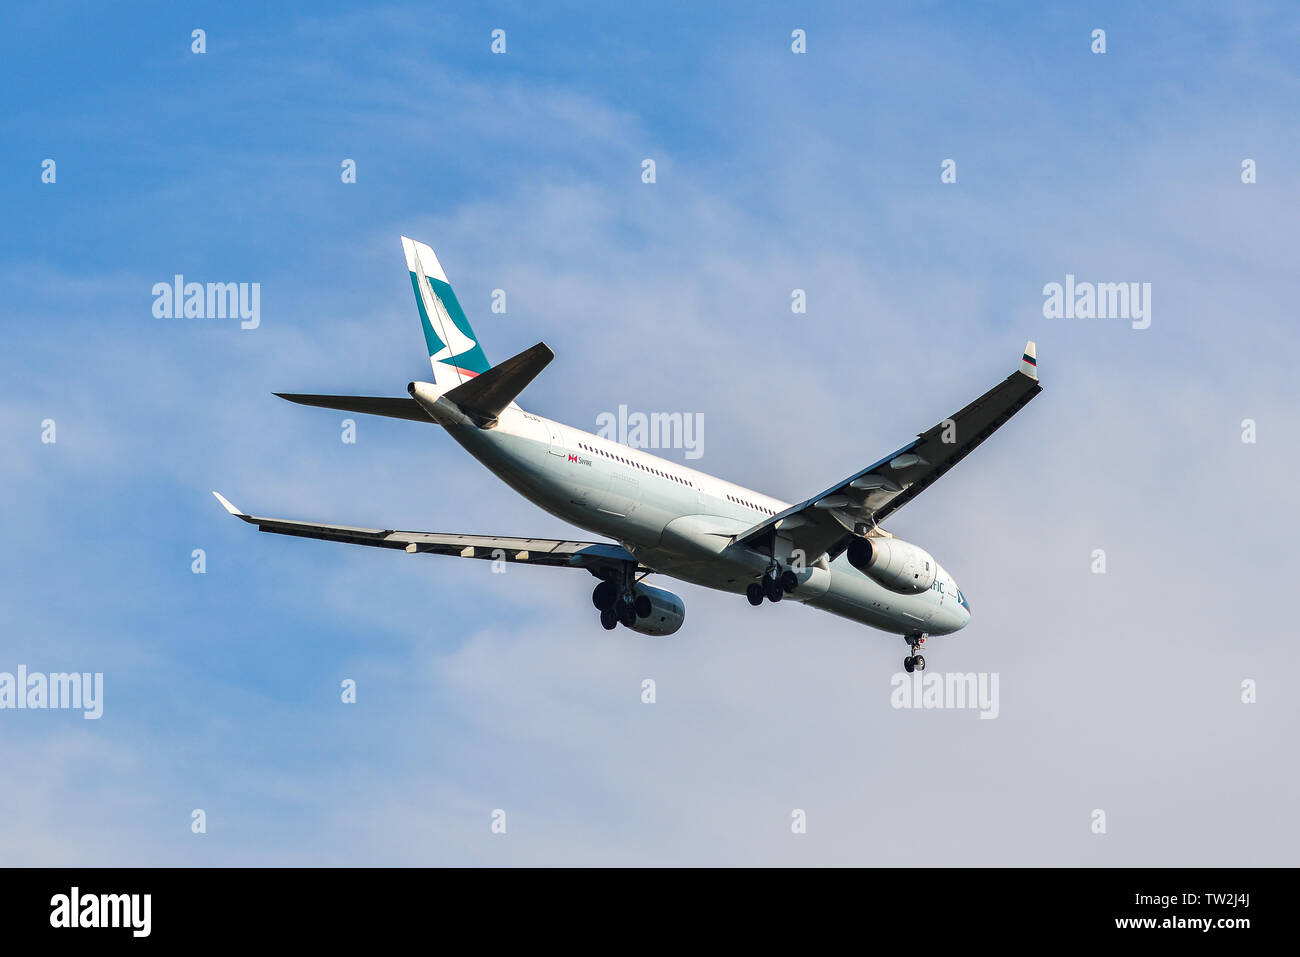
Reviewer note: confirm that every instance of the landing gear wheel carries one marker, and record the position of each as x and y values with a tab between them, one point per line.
626	612
642	606
914	661
604	596
608	620
789	581
754	593
772	588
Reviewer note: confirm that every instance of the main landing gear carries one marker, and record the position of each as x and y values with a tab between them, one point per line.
619	605
915	661
774	585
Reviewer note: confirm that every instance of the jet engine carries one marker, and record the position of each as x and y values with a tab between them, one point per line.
896	564
667	612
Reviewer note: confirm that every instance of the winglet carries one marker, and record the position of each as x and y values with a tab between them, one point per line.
225	503
1029	362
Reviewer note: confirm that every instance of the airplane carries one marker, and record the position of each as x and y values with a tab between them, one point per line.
662	518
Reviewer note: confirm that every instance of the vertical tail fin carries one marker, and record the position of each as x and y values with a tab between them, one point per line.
454	351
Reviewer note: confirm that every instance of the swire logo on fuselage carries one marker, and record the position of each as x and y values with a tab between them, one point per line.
578	460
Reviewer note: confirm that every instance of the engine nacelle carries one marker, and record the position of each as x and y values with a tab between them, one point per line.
667	612
898	565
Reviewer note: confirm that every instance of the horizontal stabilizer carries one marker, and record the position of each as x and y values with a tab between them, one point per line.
394	408
485	396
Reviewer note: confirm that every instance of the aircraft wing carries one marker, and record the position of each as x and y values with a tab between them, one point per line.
532	551
826	523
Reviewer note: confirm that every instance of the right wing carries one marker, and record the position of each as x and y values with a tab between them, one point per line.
533	551
826	523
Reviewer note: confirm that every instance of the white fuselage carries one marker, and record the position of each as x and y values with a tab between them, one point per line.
674	519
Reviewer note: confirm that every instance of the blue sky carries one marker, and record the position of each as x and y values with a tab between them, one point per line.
775	171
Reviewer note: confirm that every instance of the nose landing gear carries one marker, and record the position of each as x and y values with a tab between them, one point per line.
914	661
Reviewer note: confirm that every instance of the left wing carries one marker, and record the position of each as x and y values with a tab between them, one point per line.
533	551
826	523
